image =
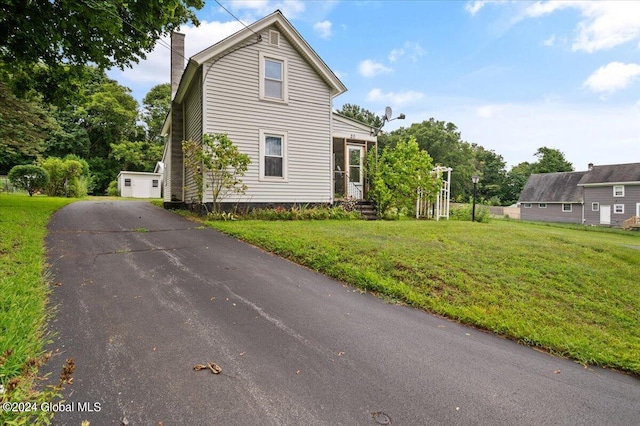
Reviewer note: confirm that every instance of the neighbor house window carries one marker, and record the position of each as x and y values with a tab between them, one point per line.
273	155
526	205
273	78
566	207
154	183
542	205
127	182
618	208
618	190
595	207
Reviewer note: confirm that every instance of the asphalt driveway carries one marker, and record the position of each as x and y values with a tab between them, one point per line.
143	295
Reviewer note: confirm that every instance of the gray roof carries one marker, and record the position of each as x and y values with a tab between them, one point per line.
615	173
553	188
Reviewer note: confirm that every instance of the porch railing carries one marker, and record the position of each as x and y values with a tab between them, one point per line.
347	188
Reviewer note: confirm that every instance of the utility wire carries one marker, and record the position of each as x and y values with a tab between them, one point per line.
235	17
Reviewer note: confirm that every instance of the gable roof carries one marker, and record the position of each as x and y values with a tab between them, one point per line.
553	188
288	31
610	174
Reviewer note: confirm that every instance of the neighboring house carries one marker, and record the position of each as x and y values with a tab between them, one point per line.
269	91
140	184
602	195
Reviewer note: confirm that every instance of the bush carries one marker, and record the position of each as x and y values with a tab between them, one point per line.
68	177
303	212
112	189
465	212
29	178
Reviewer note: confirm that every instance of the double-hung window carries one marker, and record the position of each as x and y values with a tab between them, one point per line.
618	190
273	78
618	208
273	155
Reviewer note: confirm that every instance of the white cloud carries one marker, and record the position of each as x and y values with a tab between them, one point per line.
550	41
474	7
612	77
256	9
605	24
411	49
369	68
398	99
395	54
489	111
323	29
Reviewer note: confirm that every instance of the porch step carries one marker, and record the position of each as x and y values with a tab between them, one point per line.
367	209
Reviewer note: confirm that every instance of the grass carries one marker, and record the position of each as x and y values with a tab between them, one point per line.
23	290
572	292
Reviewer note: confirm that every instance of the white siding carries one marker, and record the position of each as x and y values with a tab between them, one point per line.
343	129
232	105
141	184
166	179
193	131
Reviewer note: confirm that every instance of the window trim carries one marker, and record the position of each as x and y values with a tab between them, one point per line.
570	207
621	210
595	207
621	192
127	182
285	169
285	80
542	205
526	205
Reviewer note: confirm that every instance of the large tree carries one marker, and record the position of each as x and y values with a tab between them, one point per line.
24	125
444	144
551	160
103	32
156	104
360	114
490	166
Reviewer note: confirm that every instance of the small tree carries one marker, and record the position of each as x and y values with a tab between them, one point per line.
217	165
399	174
29	178
65	176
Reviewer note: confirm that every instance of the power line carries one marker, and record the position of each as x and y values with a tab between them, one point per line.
235	17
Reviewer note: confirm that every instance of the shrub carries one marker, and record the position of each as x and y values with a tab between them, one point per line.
464	212
112	189
29	178
66	177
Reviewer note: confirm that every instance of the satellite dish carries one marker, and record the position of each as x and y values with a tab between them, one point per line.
387	113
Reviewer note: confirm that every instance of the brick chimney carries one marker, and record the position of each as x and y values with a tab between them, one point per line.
177	120
177	61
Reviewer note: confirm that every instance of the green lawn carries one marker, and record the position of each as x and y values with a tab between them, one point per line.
23	288
570	291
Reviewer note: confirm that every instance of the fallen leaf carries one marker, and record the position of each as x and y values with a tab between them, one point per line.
234	304
468	334
298	372
441	326
557	371
213	298
154	348
340	353
457	408
242	353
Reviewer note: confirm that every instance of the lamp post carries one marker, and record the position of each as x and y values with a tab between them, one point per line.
475	179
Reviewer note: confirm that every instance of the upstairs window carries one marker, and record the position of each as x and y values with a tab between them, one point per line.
273	78
618	190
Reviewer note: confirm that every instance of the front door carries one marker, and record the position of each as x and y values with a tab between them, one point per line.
356	175
605	215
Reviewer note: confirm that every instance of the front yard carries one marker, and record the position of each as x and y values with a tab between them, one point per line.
573	292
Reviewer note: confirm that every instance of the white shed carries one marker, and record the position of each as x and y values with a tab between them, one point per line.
140	184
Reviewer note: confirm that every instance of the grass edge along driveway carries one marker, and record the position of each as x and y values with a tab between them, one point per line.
23	298
571	292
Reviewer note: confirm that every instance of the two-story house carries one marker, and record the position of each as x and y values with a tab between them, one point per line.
270	92
603	195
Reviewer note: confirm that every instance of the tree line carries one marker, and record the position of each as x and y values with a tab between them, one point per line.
443	141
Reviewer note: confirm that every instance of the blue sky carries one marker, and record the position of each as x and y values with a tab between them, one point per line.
511	75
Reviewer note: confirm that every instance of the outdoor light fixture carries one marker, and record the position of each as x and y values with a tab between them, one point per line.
475	179
387	117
